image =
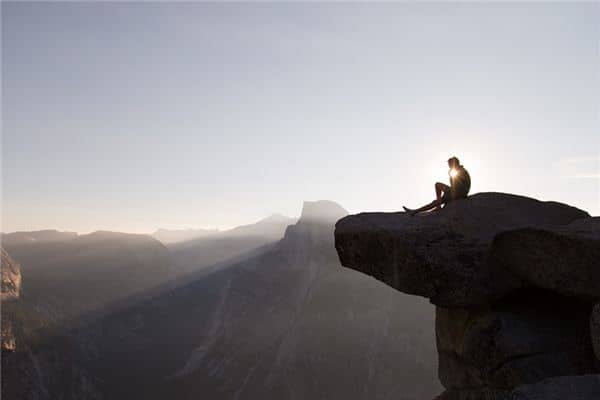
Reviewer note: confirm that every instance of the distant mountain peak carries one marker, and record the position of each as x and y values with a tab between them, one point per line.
272	226
277	218
170	236
194	230
42	236
322	210
113	236
105	234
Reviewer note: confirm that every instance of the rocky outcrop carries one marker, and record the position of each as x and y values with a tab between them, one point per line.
514	280
563	259
11	289
445	255
11	277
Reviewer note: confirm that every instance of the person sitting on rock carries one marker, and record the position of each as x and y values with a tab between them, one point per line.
460	183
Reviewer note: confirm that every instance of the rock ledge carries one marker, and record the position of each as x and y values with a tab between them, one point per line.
514	280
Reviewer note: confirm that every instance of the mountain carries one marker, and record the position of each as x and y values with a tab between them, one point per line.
170	236
287	323
322	211
70	280
284	322
228	246
71	275
292	324
45	236
272	227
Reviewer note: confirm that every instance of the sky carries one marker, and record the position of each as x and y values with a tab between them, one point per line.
136	116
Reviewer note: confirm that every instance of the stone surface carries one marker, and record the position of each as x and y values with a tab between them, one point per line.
584	387
595	330
511	345
444	255
514	280
564	259
472	394
581	387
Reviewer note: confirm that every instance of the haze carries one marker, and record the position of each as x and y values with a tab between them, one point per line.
132	117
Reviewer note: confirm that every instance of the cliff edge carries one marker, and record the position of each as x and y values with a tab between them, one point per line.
514	280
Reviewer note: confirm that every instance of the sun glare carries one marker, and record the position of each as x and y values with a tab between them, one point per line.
453	173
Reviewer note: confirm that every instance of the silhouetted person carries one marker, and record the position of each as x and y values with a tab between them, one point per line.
460	183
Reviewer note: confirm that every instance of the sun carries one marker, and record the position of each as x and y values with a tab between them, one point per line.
453	173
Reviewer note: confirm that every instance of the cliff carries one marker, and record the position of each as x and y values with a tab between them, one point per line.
11	289
11	277
514	281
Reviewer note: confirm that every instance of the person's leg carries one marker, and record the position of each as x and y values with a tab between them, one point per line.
440	192
434	204
439	189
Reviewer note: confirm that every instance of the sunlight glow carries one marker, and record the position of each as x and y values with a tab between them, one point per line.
453	173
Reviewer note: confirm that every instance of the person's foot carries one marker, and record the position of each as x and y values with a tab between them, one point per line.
409	211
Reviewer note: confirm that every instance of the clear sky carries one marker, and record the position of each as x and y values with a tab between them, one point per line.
143	115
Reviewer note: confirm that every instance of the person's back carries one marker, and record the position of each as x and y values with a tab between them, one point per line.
460	183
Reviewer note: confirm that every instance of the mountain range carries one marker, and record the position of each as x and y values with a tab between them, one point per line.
272	318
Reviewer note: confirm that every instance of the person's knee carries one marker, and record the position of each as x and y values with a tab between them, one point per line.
440	187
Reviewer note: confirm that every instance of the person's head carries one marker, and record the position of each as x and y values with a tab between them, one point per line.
453	162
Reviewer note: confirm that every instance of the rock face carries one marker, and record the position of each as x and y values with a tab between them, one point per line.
562	259
595	329
513	343
11	277
514	281
580	387
11	288
560	388
444	256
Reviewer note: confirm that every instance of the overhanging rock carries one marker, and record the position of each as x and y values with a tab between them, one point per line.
446	255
